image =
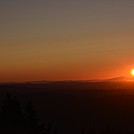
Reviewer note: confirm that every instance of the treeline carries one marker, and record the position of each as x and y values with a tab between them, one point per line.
17	120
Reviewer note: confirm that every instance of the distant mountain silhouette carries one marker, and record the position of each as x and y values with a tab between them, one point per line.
119	79
115	79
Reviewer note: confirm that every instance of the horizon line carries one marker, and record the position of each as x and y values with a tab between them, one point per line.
86	80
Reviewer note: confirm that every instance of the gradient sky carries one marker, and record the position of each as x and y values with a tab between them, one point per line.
66	39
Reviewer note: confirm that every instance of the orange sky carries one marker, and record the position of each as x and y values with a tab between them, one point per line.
66	40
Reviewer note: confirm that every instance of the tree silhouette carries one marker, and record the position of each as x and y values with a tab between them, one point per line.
48	130
33	126
55	131
82	132
91	131
15	120
12	118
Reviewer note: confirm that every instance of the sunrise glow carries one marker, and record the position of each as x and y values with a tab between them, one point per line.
132	72
66	40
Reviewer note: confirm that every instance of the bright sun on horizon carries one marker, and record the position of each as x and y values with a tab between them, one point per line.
132	72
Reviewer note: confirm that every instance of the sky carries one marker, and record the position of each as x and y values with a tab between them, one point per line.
65	39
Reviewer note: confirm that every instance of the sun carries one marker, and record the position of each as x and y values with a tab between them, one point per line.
132	72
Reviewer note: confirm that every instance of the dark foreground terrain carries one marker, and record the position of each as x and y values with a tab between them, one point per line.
75	106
